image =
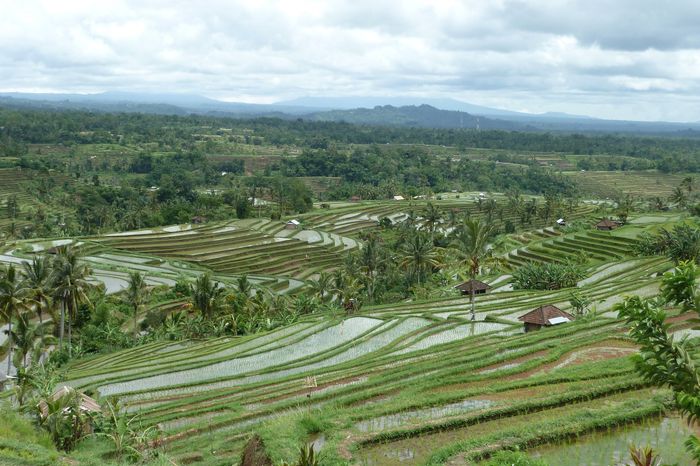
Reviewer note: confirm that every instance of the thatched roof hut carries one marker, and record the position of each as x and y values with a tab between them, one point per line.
479	287
545	316
607	224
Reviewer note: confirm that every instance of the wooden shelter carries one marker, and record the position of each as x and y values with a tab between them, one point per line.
606	224
545	316
292	224
87	404
476	285
355	199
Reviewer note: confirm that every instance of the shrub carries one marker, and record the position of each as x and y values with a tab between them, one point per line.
547	276
513	458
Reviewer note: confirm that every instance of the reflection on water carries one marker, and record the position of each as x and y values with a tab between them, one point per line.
437	412
605	448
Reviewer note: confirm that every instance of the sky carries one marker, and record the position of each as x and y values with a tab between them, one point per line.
621	59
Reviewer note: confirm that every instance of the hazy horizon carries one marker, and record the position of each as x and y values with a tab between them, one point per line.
630	60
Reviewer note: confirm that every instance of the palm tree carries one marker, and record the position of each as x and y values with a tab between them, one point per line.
14	299
687	183
679	197
471	240
419	256
322	286
206	295
37	275
28	338
136	295
433	216
70	285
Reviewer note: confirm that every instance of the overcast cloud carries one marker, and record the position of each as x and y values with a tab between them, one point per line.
633	59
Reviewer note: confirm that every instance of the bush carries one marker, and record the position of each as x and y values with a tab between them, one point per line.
513	458
547	276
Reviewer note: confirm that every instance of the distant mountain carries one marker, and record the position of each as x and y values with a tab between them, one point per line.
424	115
393	111
178	103
348	103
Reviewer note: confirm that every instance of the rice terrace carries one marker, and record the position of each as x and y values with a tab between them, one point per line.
277	234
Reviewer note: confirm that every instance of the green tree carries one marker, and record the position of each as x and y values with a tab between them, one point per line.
679	197
678	286
663	360
28	339
419	257
471	243
136	296
37	275
14	299
207	295
70	288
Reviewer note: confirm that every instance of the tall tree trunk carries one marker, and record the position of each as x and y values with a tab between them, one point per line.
471	300
9	344
62	326
70	334
136	308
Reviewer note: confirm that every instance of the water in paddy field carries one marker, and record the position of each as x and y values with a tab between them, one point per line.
604	448
611	448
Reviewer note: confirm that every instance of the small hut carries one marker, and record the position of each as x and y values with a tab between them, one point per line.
292	224
87	404
561	222
399	198
606	225
355	199
198	220
476	285
545	316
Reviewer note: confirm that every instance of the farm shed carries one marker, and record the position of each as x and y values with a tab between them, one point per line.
606	224
292	225
476	285
198	219
87	404
545	316
561	222
355	199
399	198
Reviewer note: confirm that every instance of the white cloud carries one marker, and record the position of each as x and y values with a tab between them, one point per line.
624	59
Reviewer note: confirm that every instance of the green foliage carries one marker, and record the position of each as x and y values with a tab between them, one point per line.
682	243
579	302
513	458
129	439
664	361
644	456
547	276
678	286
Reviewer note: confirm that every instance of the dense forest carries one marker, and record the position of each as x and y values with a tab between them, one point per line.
21	127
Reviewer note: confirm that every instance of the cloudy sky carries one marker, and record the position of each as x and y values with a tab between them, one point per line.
633	59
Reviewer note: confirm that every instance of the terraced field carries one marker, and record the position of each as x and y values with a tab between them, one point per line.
260	247
350	219
549	245
407	383
644	184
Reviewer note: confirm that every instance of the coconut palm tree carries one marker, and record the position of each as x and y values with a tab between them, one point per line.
687	183
207	295
322	286
471	242
70	287
14	300
679	197
433	216
136	295
28	339
419	256
37	275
